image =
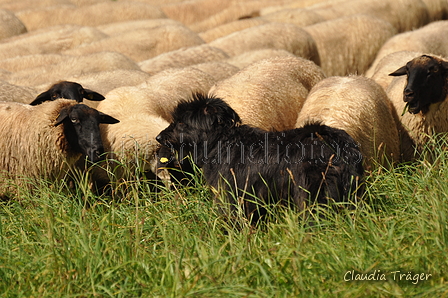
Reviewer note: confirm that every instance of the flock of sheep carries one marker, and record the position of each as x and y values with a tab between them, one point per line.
278	63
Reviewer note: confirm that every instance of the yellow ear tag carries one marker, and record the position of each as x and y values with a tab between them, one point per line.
164	160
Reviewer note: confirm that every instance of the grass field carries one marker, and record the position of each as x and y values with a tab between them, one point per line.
56	242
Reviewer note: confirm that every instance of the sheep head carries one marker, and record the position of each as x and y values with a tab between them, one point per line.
426	82
82	131
68	90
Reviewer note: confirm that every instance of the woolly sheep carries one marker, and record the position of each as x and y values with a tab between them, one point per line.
269	94
348	45
117	28
35	144
15	64
250	57
298	16
162	91
391	11
421	88
437	9
228	28
67	90
428	39
389	64
48	40
272	35
182	57
16	6
10	25
189	12
72	67
360	107
142	44
10	92
218	70
90	15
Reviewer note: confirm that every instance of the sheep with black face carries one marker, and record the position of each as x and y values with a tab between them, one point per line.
68	90
421	88
46	140
295	167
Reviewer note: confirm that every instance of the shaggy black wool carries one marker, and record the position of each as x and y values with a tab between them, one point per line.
250	166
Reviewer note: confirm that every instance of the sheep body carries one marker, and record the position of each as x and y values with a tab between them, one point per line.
361	108
11	92
10	25
269	94
350	50
250	57
428	39
182	57
287	37
142	44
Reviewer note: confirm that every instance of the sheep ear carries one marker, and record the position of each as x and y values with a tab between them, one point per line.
44	96
106	119
63	114
399	72
92	95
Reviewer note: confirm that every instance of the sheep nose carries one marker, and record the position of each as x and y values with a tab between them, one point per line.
408	92
94	154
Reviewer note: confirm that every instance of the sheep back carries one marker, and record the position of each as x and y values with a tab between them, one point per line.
360	107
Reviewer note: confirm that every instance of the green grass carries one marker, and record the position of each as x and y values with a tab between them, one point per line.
61	242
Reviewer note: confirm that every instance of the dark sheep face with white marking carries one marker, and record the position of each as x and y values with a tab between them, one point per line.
68	90
426	82
82	131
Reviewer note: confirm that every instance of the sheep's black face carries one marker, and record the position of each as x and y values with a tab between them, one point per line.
426	82
199	120
82	131
68	90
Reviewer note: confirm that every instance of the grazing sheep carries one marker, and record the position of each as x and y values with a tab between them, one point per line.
391	11
270	93
253	168
67	90
182	57
429	39
142	44
250	57
10	92
389	64
72	67
421	89
89	15
348	45
10	25
360	107
270	36
44	140
48	40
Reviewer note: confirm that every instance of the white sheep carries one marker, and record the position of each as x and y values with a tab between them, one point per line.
348	45
11	92
49	40
72	67
287	37
45	140
360	107
250	57
404	15
189	12
270	93
89	15
182	57
218	70
228	28
428	39
10	25
419	95
117	28
18	63
144	43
